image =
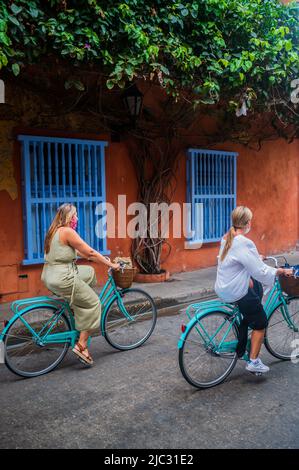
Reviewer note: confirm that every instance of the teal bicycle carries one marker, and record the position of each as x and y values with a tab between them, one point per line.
36	339
207	346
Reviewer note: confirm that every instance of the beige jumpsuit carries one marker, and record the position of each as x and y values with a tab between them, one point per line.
64	278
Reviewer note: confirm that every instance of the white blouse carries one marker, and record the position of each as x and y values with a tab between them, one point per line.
241	262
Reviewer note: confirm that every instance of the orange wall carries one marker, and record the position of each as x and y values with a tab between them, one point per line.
267	182
119	180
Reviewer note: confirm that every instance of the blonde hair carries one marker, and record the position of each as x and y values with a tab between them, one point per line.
62	218
241	215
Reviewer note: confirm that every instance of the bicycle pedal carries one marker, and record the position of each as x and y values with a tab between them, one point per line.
258	374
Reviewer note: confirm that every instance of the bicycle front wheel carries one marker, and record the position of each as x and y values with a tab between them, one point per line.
25	355
206	357
282	336
130	332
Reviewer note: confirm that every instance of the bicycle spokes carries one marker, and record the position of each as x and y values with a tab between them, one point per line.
29	350
208	353
130	319
283	330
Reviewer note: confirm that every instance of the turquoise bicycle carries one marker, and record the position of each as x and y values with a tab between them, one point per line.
36	339
207	346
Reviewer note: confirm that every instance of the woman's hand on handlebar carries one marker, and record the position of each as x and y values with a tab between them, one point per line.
286	272
115	266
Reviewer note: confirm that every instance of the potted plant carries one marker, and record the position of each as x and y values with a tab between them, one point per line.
154	160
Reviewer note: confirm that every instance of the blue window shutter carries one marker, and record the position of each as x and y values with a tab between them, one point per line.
211	180
58	170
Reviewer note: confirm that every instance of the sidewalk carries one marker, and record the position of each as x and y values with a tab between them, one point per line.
179	291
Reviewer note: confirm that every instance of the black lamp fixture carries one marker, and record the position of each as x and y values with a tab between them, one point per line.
133	99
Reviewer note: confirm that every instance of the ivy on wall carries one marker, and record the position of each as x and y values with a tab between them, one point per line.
244	53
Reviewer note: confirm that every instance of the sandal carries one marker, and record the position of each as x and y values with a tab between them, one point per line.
82	357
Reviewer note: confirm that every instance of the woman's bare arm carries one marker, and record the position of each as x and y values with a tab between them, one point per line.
80	254
71	237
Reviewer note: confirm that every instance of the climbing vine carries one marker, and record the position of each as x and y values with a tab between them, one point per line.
230	58
243	53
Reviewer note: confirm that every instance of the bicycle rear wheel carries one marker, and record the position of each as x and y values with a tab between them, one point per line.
123	333
201	364
281	337
24	354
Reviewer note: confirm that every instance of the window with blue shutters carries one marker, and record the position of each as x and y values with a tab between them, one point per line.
211	181
58	170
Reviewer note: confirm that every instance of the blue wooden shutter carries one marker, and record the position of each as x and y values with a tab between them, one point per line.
58	170
211	180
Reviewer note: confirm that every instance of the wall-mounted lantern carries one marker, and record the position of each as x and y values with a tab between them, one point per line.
133	100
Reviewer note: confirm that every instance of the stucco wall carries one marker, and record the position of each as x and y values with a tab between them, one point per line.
267	182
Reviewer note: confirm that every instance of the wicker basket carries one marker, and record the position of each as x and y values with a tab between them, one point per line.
124	278
289	285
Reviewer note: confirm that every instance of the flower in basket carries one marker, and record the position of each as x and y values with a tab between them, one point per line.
126	261
124	277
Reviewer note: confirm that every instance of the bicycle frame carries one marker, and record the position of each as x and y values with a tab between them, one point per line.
107	296
275	299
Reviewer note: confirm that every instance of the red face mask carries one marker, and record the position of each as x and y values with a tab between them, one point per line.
74	223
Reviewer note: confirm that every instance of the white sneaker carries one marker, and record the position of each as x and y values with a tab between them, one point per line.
257	366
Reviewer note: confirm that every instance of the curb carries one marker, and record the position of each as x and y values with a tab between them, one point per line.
165	306
173	306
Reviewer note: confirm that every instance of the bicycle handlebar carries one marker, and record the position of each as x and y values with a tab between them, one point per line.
122	266
271	257
275	260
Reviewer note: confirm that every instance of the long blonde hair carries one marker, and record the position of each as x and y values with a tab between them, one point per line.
241	215
62	218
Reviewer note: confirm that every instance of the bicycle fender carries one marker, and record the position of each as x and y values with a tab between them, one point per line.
7	325
194	320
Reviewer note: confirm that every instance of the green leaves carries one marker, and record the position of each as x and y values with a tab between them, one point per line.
4	39
3	59
184	12
15	9
212	47
110	84
14	20
288	45
224	62
34	12
16	69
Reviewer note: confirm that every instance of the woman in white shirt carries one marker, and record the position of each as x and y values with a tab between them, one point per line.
241	274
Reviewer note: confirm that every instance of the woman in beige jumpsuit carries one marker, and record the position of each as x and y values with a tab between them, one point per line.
64	278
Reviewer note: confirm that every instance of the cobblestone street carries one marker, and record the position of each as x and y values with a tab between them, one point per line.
139	399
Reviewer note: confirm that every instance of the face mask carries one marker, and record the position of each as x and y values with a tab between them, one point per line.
74	223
